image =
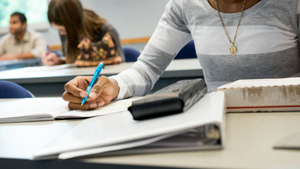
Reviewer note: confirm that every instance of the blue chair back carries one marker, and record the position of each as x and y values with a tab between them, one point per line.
131	55
188	51
13	90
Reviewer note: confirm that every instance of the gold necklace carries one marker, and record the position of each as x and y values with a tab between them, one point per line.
233	48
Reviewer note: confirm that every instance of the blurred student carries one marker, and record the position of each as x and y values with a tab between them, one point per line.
21	43
87	39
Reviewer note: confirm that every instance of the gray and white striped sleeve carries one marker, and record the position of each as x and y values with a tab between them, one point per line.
169	37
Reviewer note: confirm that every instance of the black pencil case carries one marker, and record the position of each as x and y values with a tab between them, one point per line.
175	98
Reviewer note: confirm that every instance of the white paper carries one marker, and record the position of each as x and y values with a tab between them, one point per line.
292	141
113	107
49	68
261	83
38	109
31	109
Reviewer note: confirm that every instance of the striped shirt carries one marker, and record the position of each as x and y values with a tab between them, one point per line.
267	44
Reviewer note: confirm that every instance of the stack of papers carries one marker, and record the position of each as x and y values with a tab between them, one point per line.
255	95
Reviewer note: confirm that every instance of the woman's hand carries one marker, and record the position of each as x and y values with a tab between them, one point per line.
51	59
101	94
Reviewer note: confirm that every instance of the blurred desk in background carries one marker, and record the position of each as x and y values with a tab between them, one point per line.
43	82
14	64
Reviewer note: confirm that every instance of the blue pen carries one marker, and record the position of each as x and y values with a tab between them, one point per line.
96	74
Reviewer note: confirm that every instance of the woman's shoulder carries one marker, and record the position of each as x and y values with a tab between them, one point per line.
106	27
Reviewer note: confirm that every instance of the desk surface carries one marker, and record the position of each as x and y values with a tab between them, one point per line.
249	143
14	64
177	68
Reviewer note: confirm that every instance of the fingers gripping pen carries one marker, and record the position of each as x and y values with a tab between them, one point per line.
96	74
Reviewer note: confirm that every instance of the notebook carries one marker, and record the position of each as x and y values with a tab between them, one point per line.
199	128
42	109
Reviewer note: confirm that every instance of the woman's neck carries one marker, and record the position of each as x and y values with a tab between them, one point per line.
232	6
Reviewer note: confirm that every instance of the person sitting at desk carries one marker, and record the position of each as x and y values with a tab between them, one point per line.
21	43
234	39
99	40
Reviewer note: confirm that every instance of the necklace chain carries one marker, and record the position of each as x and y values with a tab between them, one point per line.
231	42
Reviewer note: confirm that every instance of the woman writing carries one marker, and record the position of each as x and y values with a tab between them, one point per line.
87	39
234	39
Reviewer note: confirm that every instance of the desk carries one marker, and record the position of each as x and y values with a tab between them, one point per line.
249	143
29	137
51	83
14	64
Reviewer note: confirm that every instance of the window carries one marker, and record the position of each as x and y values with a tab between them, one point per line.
34	10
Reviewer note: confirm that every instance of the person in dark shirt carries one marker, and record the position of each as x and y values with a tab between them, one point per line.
79	28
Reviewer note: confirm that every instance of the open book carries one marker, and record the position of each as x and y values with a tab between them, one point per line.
41	109
199	128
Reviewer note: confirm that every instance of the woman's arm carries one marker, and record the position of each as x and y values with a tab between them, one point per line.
169	37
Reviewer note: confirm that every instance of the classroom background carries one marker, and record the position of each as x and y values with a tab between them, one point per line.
234	138
135	20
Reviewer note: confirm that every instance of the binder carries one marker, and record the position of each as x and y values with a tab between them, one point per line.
120	134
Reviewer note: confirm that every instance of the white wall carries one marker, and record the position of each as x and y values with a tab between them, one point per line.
131	18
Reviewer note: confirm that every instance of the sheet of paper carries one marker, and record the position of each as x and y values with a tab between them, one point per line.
24	109
113	107
291	141
49	68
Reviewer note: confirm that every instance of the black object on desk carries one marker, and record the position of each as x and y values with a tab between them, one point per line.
175	98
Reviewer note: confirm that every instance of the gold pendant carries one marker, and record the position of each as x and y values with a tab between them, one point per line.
232	49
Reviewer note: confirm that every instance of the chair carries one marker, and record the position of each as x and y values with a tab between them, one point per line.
13	90
131	55
188	51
